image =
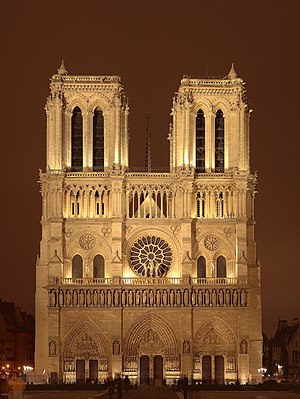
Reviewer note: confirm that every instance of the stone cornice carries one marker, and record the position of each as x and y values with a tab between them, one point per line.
94	79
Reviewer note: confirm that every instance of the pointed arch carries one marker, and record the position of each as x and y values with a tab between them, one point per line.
100	100
98	267
204	104
151	322
98	140
76	139
84	340
77	266
219	142
221	267
215	336
201	267
200	142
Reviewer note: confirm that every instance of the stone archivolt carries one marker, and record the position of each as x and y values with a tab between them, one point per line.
215	336
151	329
85	341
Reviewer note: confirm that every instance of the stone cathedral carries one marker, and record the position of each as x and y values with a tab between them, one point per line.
151	275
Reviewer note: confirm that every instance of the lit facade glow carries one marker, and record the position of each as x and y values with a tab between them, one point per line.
104	303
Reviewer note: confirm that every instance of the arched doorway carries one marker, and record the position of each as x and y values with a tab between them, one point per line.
85	354
215	352
151	351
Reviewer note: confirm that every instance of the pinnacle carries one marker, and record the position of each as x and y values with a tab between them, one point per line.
62	69
232	74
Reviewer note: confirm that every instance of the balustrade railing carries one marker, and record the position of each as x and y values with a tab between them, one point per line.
146	281
219	281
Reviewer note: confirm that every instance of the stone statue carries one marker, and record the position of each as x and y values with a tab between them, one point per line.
172	297
102	298
193	297
243	298
124	297
165	298
137	298
221	297
61	298
158	298
116	298
200	298
178	298
235	298
108	298
130	298
69	298
186	347
244	347
52	348
81	298
186	298
75	298
212	269
227	297
116	347
52	298
207	298
214	297
88	298
144	297
151	298
95	298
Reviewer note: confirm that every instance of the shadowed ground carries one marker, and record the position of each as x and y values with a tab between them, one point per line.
159	393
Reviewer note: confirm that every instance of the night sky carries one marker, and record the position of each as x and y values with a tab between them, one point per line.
151	45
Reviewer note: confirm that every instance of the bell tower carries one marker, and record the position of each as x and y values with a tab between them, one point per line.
210	125
87	123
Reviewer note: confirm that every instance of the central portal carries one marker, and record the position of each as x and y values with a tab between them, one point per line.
86	371
151	369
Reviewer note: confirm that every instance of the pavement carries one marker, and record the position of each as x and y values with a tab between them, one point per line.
150	392
140	393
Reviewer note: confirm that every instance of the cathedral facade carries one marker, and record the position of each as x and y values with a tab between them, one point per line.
151	275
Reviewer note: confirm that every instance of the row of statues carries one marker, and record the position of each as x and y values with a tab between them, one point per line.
147	297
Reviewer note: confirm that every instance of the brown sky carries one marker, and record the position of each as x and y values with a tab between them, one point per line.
151	45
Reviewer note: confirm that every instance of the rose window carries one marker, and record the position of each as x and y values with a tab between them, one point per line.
151	256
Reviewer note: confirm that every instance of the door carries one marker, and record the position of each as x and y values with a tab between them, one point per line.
219	369
144	370
158	370
80	371
94	370
206	369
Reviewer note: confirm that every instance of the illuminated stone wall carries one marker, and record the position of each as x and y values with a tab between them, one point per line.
152	303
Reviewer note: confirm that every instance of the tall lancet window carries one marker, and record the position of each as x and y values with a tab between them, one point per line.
201	267
221	267
98	267
219	142
77	271
77	139
98	140
200	142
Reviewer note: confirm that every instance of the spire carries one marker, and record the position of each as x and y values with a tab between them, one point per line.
148	148
232	74
62	69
